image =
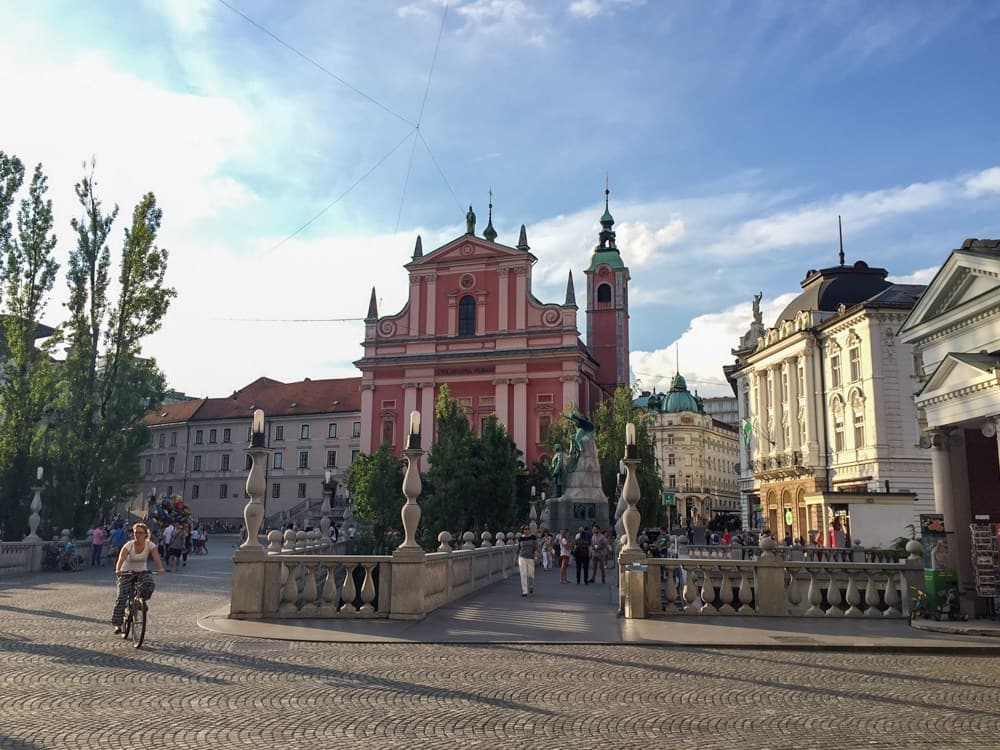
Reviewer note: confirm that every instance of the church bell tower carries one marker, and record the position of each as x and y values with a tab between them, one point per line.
607	308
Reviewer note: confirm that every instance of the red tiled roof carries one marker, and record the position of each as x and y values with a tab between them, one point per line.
179	411
285	399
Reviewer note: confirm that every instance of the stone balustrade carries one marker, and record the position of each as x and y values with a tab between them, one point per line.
300	577
770	585
17	558
793	553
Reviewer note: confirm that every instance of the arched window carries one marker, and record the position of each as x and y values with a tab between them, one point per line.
467	316
858	404
838	424
604	293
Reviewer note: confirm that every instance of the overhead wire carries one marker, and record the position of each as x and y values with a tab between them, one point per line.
314	63
343	194
420	117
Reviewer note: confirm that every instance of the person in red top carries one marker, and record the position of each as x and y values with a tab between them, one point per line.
727	538
96	545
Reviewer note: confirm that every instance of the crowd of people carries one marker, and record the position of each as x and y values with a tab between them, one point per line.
590	549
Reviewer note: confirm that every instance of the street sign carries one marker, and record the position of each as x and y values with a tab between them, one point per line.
669	498
788	518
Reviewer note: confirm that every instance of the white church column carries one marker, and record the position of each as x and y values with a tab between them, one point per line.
520	413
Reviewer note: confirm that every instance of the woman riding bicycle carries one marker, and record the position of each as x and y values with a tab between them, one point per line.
133	559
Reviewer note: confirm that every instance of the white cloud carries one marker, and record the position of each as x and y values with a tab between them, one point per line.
703	349
920	276
983	183
585	8
809	223
643	242
188	16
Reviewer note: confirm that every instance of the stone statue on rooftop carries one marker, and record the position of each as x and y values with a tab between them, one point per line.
470	222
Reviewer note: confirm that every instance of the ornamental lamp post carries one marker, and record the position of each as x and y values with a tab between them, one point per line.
412	486
253	512
630	493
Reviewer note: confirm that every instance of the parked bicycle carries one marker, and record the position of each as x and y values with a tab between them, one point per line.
136	610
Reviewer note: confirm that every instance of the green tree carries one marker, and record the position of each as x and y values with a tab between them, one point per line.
502	500
26	384
107	386
375	482
452	469
610	419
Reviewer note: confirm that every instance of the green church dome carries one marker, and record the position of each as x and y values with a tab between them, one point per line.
679	399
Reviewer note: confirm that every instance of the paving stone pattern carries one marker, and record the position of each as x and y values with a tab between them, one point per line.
67	683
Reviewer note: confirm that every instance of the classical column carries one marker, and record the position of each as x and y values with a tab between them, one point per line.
777	434
503	301
409	398
415	307
811	448
792	363
763	444
501	401
520	414
431	305
367	416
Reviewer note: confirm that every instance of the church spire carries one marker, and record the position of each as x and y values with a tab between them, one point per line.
607	235
418	248
840	230
570	292
522	240
490	233
372	309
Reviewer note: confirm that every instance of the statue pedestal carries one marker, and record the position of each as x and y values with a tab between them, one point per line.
583	502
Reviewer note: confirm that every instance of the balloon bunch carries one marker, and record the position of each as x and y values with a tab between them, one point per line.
171	510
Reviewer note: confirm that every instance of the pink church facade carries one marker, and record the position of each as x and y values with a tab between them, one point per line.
472	322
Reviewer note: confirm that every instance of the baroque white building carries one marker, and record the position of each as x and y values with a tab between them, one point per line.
955	333
830	443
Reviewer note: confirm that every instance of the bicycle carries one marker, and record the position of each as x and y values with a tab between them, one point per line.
918	605
136	611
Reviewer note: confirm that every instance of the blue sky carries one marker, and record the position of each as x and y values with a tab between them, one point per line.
733	134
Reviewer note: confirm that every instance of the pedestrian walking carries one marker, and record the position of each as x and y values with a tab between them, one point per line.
547	549
96	545
581	553
565	549
527	557
598	553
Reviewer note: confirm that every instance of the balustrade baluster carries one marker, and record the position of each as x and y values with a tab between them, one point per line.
794	592
871	597
689	592
290	591
745	593
833	597
853	596
348	592
707	593
670	607
892	597
368	590
329	588
309	597
726	593
815	594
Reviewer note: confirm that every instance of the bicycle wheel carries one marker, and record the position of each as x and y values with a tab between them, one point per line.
139	621
127	622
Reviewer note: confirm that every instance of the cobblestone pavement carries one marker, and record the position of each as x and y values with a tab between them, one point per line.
67	683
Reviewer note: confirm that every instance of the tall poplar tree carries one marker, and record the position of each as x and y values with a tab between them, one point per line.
106	385
27	277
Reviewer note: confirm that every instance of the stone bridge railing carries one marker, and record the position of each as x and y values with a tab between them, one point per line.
770	586
300	577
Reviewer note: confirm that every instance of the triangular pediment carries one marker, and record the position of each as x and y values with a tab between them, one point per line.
469	248
968	277
958	371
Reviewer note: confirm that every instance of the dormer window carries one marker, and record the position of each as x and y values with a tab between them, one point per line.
467	316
